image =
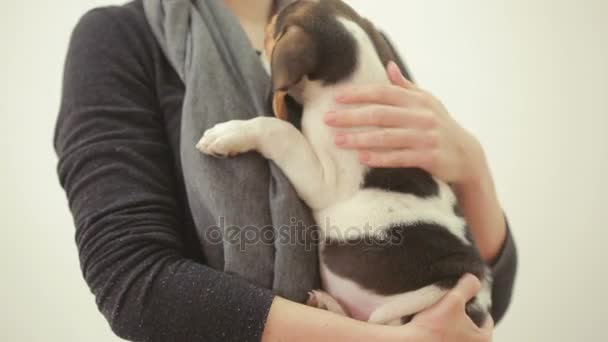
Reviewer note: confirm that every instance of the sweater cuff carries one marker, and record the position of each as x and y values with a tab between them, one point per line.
504	269
507	252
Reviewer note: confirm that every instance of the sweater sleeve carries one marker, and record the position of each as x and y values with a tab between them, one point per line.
116	167
504	270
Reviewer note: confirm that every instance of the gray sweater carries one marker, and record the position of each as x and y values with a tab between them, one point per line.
117	138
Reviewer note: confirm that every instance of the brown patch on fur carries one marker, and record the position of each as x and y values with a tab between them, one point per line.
306	39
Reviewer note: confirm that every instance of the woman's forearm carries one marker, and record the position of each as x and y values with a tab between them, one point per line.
290	321
479	203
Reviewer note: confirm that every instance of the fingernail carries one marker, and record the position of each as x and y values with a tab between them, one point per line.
330	117
394	70
340	139
392	66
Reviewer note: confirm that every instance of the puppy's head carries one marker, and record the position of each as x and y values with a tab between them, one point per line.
307	41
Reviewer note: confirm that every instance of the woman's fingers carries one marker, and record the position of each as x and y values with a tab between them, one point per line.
387	138
488	326
381	116
400	92
467	288
396	158
386	94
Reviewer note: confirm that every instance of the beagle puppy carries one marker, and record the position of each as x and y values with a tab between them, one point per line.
393	242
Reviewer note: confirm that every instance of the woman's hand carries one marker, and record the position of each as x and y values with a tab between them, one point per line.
447	320
415	130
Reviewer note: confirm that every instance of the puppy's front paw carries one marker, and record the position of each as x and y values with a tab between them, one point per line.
227	139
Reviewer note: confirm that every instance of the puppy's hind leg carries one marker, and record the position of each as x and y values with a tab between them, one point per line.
324	301
403	305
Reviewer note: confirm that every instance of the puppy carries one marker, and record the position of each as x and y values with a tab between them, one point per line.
393	242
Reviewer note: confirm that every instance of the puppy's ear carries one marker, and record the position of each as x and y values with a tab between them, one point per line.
293	57
278	104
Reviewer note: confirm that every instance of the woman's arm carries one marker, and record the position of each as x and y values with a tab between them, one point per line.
416	130
117	169
464	165
477	196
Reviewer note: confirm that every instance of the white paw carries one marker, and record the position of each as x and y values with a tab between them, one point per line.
227	139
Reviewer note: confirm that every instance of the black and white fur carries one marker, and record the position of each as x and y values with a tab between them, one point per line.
359	209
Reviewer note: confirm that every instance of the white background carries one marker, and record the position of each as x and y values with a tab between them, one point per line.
529	78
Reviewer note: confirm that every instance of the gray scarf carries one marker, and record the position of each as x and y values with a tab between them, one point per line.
250	220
